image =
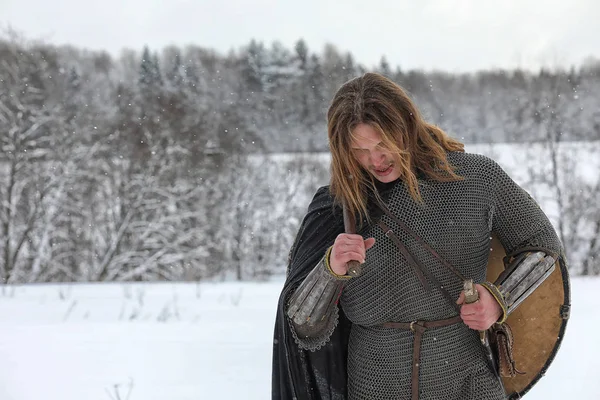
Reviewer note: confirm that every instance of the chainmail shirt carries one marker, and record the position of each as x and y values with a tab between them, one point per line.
457	220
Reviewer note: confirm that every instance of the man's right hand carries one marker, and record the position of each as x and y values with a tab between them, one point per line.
348	247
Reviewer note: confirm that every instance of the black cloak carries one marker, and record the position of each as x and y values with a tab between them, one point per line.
319	375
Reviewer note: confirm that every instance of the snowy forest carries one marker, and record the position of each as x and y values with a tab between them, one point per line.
186	164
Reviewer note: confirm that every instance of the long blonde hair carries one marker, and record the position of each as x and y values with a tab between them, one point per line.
381	103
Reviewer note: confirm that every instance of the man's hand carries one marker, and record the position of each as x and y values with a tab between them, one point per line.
348	247
483	313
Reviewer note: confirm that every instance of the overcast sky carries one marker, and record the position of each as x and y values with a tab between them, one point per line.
451	35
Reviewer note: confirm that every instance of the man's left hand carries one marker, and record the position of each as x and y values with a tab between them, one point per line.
483	313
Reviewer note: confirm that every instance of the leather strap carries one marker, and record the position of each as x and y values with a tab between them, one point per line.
419	328
419	268
419	239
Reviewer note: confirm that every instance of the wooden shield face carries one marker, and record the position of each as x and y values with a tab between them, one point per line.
538	324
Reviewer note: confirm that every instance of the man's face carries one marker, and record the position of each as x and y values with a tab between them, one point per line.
370	152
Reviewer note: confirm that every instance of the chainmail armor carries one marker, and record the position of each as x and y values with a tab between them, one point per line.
456	219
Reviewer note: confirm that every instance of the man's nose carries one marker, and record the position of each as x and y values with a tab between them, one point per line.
377	157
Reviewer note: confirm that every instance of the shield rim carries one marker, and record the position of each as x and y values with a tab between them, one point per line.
563	326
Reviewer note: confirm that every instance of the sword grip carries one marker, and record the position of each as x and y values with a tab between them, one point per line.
354	267
471	296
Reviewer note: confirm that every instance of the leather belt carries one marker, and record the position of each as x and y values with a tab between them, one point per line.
419	327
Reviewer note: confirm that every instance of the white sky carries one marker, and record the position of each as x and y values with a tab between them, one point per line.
451	35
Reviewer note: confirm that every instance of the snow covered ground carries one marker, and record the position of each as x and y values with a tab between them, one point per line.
159	341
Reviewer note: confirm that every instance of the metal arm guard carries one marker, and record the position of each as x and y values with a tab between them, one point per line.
312	308
522	276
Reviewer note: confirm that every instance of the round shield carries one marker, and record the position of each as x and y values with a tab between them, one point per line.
538	324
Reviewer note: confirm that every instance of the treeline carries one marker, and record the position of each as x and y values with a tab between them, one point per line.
136	168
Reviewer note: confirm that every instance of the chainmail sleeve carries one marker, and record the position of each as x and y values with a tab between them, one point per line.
516	218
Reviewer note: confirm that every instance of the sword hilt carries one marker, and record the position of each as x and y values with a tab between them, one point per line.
354	268
471	294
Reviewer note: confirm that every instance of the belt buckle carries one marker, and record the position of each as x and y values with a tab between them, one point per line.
412	325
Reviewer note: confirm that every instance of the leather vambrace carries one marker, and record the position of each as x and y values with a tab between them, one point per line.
312	307
526	271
